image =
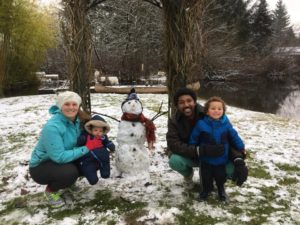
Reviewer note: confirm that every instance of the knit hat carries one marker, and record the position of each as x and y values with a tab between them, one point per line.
131	96
97	121
184	91
67	96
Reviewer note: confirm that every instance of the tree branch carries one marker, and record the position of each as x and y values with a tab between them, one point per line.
156	3
106	116
159	113
94	3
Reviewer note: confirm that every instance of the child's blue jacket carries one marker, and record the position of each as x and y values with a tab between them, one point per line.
210	131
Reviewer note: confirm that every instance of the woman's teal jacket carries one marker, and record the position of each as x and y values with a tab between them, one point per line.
57	141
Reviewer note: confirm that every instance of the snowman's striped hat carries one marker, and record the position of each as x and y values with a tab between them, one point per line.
131	96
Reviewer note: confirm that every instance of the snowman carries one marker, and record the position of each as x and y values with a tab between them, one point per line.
132	156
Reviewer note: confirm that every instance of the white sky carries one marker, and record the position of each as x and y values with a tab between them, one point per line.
293	8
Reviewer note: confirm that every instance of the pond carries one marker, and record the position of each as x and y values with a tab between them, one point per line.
283	100
21	91
276	98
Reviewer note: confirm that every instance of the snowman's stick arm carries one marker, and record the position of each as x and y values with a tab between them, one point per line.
159	113
106	116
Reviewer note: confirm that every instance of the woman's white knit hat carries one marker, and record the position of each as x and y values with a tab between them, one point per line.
67	96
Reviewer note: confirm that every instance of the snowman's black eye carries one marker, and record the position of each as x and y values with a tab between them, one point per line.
129	103
134	149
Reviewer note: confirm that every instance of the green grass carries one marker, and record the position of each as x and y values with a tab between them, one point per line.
236	210
132	216
260	172
22	202
261	209
288	167
31	109
18	138
188	216
102	202
288	181
19	202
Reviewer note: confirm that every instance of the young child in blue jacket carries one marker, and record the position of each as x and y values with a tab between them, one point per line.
97	158
215	128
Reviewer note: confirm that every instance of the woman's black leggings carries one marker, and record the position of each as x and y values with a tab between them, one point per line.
56	176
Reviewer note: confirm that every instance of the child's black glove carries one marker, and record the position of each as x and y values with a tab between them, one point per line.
112	148
240	173
210	150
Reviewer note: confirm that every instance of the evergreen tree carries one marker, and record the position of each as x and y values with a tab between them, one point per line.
236	16
281	25
261	28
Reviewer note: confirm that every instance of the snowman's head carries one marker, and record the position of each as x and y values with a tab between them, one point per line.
132	104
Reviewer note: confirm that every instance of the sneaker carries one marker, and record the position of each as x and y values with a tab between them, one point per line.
54	199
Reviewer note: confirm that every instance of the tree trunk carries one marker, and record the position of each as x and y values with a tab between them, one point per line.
78	41
178	32
5	36
4	67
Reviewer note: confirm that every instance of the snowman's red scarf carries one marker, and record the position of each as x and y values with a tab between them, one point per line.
149	125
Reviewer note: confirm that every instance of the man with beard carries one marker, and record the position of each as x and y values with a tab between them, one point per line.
183	157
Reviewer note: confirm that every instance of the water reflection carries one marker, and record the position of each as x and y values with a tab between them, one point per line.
22	91
262	97
290	107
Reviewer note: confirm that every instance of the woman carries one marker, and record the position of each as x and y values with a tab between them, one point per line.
52	160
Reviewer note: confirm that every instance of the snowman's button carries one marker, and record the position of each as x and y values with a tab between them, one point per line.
131	134
134	149
133	124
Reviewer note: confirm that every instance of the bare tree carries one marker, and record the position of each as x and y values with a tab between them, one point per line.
128	38
77	34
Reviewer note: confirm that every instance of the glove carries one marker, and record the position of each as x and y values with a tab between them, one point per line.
210	150
233	154
111	147
92	143
240	173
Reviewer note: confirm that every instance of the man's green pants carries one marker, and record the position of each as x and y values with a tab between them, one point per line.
184	165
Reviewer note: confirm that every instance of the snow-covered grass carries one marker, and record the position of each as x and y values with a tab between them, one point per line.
270	196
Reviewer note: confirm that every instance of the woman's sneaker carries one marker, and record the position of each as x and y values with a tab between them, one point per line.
54	199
